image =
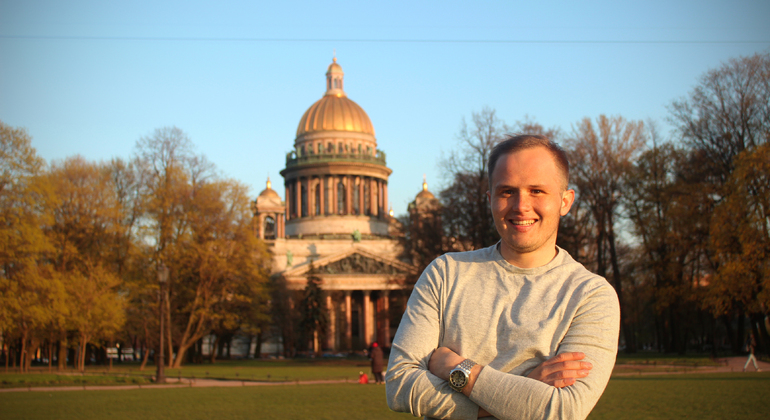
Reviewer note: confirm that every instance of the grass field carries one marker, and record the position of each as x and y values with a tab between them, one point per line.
703	396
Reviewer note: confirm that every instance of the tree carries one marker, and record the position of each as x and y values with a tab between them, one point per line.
26	291
466	215
100	309
727	112
89	232
200	227
665	201
223	266
740	239
601	155
314	321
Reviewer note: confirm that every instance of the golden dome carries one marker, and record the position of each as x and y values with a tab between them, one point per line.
268	195
335	112
425	194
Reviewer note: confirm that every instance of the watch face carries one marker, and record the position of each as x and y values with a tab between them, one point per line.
457	378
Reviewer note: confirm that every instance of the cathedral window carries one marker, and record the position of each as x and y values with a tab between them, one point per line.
303	198
367	196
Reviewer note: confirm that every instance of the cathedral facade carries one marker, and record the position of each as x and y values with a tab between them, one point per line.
334	225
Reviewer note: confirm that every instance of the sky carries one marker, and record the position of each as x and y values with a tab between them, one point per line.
93	77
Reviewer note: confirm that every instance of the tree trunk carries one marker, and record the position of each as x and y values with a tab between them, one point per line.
145	356
23	354
627	327
50	356
258	348
213	354
170	346
61	359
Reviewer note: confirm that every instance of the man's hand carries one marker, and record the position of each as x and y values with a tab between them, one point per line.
442	361
561	370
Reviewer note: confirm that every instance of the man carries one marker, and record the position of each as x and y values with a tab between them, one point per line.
375	354
522	329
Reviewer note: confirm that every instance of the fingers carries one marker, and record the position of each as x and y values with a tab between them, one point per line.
563	369
565	357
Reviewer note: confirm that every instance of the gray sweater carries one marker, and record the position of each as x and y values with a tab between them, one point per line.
509	320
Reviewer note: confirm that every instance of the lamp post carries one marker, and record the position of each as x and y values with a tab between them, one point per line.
160	376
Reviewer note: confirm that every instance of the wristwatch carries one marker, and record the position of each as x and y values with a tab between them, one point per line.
459	376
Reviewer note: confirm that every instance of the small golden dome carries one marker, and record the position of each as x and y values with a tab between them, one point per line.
334	67
268	195
335	112
425	194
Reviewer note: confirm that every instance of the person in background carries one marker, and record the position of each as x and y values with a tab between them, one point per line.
752	346
377	362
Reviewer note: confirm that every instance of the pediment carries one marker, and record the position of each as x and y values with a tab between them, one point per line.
359	264
354	262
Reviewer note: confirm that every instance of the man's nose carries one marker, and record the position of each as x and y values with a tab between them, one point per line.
521	202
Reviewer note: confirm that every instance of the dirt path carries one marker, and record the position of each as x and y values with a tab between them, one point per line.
729	364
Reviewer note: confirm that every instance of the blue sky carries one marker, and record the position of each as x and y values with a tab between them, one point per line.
91	78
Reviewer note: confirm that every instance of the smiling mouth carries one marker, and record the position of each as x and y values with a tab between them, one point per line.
522	222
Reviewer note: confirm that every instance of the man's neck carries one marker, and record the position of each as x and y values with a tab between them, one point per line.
528	259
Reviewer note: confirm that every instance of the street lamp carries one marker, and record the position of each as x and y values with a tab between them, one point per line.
160	376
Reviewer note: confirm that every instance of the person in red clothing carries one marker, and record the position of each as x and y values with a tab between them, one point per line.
362	378
377	363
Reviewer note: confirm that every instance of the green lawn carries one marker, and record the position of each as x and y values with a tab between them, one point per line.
13	380
249	370
702	396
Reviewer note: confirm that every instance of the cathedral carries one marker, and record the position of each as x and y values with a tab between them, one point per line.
334	225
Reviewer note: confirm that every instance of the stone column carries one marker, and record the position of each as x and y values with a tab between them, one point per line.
348	195
361	197
310	197
348	321
322	194
385	203
386	317
298	196
367	317
332	330
374	190
288	201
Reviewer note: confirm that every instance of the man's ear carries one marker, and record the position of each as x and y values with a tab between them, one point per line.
567	198
489	197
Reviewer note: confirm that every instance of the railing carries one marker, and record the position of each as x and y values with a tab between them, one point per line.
293	160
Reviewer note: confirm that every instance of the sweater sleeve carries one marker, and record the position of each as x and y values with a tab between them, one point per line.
593	331
410	386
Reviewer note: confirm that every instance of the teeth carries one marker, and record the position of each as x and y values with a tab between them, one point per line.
522	222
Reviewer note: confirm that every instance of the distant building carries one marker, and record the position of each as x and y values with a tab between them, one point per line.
335	223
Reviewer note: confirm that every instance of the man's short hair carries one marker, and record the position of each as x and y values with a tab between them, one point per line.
515	143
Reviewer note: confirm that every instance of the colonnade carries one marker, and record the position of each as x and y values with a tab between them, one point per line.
321	195
373	321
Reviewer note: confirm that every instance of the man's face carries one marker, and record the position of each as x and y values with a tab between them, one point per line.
527	199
